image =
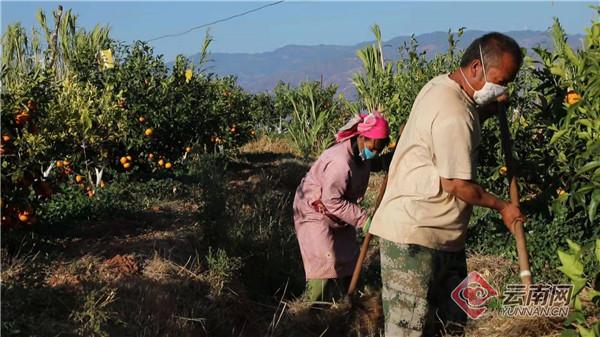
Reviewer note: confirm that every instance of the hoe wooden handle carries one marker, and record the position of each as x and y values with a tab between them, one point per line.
519	233
365	245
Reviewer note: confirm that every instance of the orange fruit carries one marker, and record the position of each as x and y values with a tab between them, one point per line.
90	193
6	138
22	118
560	192
503	170
24	216
168	165
253	133
127	165
123	160
188	149
142	119
128	158
66	163
572	97
149	132
78	179
59	163
161	162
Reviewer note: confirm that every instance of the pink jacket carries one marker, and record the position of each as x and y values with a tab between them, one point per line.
328	247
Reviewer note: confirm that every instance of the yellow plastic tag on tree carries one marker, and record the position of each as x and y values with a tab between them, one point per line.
107	59
188	75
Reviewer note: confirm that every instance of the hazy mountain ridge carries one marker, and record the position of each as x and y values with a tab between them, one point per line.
294	63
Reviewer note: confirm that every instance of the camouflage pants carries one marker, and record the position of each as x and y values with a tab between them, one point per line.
417	283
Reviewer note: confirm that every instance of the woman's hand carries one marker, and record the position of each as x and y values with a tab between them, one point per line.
367	225
319	207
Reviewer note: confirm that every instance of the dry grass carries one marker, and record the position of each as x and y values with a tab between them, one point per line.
14	267
496	270
362	317
159	269
496	325
266	144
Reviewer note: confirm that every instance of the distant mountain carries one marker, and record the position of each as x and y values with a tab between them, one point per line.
293	63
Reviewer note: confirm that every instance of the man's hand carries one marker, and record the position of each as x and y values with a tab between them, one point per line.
473	194
510	215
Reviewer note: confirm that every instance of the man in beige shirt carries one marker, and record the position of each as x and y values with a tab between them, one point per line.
423	217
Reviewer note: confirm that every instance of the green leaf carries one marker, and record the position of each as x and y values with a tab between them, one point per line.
594	205
575	317
584	332
571	267
584	135
571	55
578	284
557	135
587	123
575	248
577	304
596	328
569	333
557	70
592	209
597	250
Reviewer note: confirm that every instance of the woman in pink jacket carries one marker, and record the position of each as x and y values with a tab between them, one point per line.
326	205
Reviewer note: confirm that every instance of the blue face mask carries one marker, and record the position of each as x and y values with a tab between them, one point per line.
367	154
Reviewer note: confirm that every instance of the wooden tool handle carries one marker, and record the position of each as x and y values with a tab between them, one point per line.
365	245
361	258
519	231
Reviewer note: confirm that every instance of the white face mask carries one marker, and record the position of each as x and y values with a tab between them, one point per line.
489	92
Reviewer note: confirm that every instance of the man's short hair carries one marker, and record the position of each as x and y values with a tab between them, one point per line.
493	45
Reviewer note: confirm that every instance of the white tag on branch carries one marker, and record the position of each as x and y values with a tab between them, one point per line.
98	175
46	173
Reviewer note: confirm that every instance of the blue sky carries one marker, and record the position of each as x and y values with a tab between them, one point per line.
305	23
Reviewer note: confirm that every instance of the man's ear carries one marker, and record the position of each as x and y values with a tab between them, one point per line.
473	67
476	65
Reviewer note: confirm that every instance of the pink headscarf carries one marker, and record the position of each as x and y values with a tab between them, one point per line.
373	126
